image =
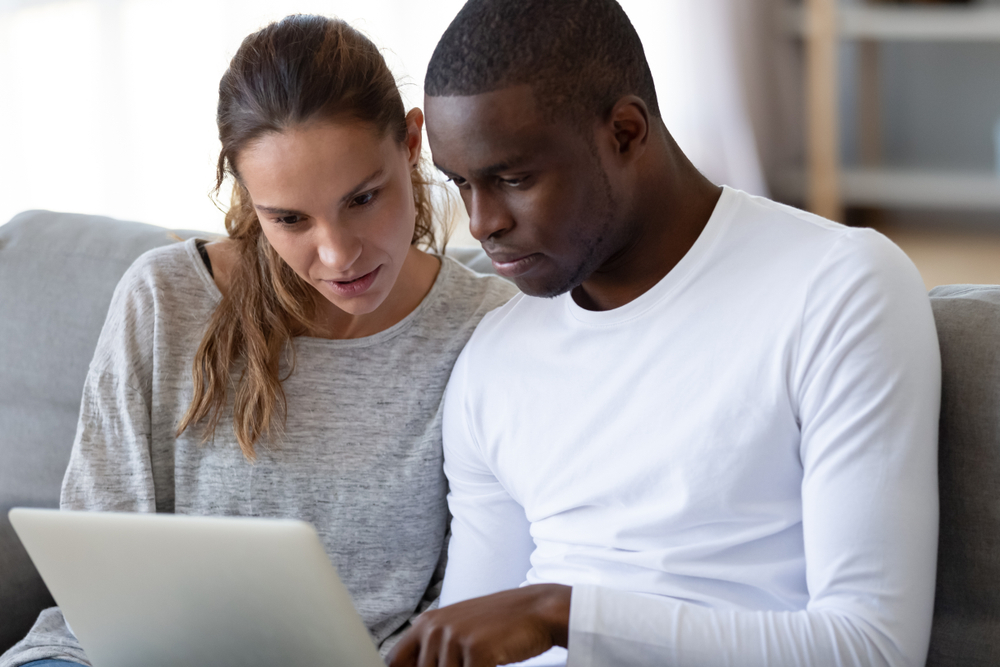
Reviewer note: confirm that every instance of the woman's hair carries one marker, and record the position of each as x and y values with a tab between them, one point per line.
299	69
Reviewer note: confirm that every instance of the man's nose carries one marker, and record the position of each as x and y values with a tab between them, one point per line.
337	247
488	216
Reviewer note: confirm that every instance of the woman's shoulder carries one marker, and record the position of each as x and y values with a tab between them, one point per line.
174	274
164	298
459	299
163	283
465	288
175	261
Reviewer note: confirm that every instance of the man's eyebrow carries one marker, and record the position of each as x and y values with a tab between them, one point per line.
491	170
512	162
360	187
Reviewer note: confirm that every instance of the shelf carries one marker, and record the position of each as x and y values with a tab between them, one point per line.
976	23
906	188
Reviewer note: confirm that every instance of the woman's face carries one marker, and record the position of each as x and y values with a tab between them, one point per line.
335	201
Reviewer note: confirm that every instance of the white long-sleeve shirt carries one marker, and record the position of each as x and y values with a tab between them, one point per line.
739	467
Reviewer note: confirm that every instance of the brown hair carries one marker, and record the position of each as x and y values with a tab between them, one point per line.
295	70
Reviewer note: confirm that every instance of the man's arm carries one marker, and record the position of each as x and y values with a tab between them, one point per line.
865	386
489	553
491	545
866	389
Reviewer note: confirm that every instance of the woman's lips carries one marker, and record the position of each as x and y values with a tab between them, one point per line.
513	267
355	287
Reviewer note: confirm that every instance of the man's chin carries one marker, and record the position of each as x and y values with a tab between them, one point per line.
542	288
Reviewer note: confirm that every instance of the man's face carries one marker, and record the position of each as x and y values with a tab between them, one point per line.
538	197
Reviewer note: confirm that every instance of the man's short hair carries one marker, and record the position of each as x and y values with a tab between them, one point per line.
579	56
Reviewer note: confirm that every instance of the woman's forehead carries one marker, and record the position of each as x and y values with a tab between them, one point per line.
315	161
325	145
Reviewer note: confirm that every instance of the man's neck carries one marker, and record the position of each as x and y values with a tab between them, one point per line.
674	203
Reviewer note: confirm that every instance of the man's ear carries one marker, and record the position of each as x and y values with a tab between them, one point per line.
629	123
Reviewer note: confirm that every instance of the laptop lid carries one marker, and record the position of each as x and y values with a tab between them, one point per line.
163	590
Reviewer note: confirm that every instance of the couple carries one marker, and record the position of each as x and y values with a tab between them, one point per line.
703	434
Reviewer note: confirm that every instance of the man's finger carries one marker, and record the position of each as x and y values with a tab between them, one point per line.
451	653
430	642
473	655
405	652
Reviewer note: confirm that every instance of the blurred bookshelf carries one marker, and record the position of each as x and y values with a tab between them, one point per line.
825	184
909	22
896	187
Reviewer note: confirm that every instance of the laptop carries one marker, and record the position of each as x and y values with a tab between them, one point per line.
164	590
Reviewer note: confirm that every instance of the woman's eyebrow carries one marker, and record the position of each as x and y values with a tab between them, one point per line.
355	191
360	187
271	210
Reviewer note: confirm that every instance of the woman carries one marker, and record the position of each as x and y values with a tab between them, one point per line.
319	335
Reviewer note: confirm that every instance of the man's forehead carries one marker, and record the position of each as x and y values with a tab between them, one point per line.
473	131
513	105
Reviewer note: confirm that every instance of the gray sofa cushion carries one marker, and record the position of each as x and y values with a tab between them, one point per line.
57	274
967	606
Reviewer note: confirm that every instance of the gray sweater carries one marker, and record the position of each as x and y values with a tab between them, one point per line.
359	458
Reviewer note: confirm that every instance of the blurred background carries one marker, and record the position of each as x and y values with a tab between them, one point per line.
882	114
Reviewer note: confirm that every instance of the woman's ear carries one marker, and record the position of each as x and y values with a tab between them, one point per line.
414	134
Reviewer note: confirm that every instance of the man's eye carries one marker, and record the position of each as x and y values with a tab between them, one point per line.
458	181
512	182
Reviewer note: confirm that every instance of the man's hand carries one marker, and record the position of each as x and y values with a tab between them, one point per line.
509	626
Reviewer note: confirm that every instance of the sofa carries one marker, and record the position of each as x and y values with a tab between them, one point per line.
57	275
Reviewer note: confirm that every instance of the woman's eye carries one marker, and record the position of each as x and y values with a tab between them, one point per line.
287	220
363	199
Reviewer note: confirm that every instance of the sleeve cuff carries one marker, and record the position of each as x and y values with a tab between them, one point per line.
582	625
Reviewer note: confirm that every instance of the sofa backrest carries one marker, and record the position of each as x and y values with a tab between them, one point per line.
967	605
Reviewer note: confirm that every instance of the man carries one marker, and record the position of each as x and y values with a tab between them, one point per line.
706	433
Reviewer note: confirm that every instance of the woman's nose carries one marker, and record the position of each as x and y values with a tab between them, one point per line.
338	248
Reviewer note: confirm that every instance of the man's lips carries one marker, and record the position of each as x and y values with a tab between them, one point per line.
511	265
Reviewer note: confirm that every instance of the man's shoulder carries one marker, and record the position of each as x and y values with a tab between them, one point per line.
828	274
761	215
787	237
520	312
508	331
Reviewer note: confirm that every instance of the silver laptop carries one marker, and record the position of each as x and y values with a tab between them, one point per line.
169	590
